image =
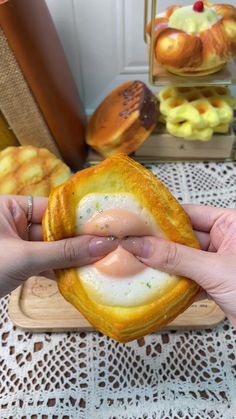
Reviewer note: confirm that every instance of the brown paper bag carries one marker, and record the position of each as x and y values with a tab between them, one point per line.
38	96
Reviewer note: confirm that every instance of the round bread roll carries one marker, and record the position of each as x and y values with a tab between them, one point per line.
120	296
123	120
195	40
28	170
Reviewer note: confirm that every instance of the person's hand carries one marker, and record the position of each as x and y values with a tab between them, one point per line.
21	258
213	267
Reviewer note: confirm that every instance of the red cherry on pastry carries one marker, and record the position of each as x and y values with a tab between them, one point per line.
198	6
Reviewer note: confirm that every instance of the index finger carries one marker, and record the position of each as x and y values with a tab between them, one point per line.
203	216
39	206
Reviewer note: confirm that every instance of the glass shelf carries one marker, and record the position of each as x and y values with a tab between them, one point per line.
225	77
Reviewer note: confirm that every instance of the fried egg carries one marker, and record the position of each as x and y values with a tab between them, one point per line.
119	279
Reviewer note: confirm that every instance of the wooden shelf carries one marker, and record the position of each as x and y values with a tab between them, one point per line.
225	77
162	146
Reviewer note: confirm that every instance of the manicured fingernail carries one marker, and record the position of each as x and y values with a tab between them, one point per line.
139	246
100	246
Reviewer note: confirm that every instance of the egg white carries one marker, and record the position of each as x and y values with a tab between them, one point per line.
96	203
132	291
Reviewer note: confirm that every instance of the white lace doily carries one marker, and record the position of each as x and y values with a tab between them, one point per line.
173	375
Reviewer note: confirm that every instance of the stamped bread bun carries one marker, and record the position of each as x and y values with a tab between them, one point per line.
120	296
28	170
195	40
123	120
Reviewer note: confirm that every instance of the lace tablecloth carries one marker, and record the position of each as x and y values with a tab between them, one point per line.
175	375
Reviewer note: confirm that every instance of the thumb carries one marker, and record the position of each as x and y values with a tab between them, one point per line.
61	254
173	258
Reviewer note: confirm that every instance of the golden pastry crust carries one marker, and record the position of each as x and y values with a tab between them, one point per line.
121	174
124	119
200	53
29	170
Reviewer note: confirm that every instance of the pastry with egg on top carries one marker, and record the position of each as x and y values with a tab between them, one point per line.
195	40
120	296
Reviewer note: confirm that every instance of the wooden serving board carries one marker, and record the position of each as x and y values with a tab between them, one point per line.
38	306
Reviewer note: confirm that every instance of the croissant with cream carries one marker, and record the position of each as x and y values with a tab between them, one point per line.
195	40
120	296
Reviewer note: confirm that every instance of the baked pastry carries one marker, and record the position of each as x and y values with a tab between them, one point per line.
123	120
28	170
120	296
195	40
196	113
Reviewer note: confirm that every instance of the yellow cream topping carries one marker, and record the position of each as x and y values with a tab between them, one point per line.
186	19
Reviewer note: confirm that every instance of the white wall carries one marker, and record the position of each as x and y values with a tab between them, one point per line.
103	41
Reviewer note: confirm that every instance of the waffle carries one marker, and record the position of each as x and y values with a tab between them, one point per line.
196	113
28	170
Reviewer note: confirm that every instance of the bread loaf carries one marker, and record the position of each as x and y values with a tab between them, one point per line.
123	120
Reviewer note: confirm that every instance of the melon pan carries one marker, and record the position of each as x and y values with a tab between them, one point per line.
30	170
120	173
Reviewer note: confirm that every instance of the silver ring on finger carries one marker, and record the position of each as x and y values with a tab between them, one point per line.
30	212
